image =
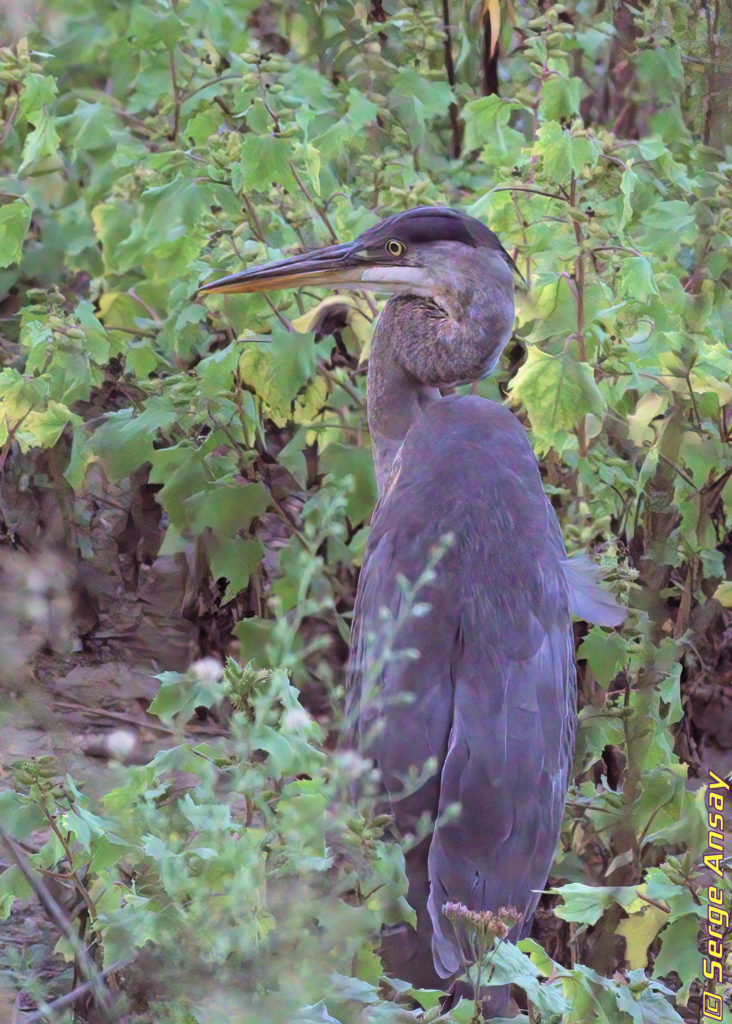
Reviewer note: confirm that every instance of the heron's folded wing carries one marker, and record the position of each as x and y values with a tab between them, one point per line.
398	687
588	599
507	768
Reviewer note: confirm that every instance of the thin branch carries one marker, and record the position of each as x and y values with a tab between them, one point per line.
228	113
677	469
153	315
535	191
253	221
615	160
129	330
81	888
520	219
214	81
457	134
54	912
9	122
579	276
695	407
345	386
320	212
282	319
617	248
116	716
176	99
255	225
63	1002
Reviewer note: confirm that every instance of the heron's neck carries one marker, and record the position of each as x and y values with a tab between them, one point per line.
395	398
421	345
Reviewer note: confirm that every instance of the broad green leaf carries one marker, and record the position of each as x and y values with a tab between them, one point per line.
14	220
646	410
226	508
233	559
639	930
43	141
560	97
636	280
564	151
44	427
585	904
264	162
278	369
606	654
556	392
678	951
125	441
487	124
361	111
723	594
38	90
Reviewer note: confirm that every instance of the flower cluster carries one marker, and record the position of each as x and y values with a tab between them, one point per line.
484	922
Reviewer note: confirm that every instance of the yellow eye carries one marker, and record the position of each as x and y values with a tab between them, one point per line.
394	247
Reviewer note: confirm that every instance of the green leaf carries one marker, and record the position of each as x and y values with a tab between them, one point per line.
342	460
586	904
606	654
38	90
125	441
678	951
14	220
512	965
278	370
560	97
636	279
361	111
563	151
180	694
13	886
43	141
487	124
556	392
227	509
96	341
45	427
639	931
233	559
264	162
723	594
316	1014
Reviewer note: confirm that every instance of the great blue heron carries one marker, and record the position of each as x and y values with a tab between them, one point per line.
493	681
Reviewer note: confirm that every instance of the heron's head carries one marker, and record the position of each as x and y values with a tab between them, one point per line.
432	252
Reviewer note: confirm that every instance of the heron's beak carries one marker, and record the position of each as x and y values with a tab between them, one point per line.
344	266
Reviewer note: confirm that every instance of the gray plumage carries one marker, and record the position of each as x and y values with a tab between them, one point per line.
495	680
489	696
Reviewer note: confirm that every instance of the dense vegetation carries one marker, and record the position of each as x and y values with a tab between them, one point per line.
212	459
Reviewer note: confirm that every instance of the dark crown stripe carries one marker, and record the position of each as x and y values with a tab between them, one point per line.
433	224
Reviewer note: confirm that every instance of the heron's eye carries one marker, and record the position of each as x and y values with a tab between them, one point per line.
394	247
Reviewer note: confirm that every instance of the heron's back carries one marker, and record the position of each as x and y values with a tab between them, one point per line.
493	680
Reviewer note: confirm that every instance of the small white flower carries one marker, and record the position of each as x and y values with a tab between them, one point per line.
207	670
296	719
351	764
121	743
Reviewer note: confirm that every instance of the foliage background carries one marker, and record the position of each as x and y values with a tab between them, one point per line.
184	479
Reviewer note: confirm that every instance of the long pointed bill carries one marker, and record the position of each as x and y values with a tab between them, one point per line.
336	265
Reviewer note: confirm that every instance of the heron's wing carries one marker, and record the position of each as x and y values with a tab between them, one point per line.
493	682
587	597
507	767
398	687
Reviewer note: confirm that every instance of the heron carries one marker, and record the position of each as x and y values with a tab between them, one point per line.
491	679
